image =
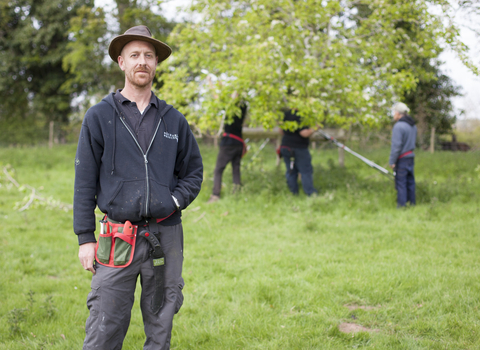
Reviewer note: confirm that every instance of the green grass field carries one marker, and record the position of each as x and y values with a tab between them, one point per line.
264	269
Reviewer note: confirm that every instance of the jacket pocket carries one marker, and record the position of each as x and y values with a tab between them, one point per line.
128	201
161	201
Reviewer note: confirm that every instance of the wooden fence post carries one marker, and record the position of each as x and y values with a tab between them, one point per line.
50	135
432	140
341	157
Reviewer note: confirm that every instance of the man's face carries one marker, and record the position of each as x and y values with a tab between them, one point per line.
396	116
138	60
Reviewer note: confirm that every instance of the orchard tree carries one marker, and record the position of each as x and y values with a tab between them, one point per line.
338	62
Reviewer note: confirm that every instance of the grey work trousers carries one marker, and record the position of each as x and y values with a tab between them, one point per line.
112	296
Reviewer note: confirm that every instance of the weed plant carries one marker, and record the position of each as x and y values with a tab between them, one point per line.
265	269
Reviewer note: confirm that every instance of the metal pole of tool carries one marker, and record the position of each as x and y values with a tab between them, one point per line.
362	158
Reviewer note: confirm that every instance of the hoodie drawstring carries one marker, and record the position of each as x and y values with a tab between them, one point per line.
114	143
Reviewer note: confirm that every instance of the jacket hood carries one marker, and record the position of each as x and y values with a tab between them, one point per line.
407	119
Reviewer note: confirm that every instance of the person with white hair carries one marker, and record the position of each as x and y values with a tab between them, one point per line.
404	135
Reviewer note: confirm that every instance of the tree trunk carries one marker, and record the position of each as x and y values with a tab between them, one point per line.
278	144
432	140
50	135
123	5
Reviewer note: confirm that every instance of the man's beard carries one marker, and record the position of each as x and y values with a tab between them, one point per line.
135	81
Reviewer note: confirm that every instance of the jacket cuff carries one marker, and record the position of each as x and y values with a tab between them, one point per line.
88	237
177	204
179	199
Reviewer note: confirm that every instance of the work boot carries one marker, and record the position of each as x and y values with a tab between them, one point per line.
213	198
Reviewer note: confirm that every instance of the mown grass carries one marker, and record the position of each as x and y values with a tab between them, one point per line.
264	269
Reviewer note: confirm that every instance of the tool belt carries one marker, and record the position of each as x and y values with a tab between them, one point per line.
116	243
238	138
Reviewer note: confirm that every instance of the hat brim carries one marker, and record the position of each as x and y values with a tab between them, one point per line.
162	50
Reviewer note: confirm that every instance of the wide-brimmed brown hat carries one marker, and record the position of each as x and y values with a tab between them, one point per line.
138	33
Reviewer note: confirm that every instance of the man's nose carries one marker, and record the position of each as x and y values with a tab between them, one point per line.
142	59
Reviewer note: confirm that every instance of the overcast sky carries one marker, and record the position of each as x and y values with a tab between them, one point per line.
461	75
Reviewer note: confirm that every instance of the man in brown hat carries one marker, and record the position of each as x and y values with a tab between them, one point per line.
138	161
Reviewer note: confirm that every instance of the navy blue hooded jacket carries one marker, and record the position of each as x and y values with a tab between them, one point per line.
113	173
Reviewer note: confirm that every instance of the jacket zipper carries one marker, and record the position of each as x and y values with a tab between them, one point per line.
146	169
147	197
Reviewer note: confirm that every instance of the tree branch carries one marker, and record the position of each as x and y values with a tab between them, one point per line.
33	196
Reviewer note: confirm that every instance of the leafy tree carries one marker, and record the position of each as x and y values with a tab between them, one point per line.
338	62
430	100
33	40
431	104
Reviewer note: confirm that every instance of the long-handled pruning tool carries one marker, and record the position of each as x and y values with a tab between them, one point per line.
362	158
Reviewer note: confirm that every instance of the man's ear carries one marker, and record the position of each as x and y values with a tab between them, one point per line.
121	63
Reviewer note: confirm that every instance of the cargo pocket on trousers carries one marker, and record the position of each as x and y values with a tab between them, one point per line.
179	301
93	304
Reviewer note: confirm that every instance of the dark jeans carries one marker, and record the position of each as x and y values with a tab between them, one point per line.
112	296
225	155
405	181
298	160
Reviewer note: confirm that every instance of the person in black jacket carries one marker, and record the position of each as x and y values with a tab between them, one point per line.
294	150
232	149
138	161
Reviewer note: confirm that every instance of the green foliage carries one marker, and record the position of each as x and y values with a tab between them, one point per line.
87	50
21	316
54	51
431	102
33	41
15	318
336	62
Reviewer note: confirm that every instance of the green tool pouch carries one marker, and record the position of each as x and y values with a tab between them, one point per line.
116	246
122	252
104	248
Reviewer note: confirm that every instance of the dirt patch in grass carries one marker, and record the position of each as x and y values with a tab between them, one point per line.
354	328
352	307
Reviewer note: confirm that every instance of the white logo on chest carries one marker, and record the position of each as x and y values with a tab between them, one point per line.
170	136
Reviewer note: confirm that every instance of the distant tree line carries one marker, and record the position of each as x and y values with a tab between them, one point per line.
52	61
338	62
